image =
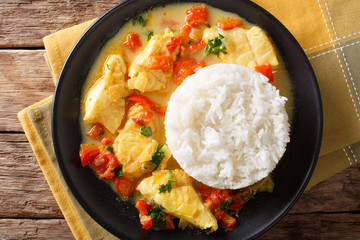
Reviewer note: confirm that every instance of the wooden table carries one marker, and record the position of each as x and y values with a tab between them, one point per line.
28	210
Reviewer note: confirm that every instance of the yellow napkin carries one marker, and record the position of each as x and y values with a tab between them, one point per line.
328	36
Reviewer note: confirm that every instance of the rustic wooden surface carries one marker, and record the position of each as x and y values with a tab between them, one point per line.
329	210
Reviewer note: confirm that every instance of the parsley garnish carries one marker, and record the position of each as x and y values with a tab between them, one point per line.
146	131
139	20
118	171
108	66
215	46
158	156
109	148
167	187
225	206
149	34
158	218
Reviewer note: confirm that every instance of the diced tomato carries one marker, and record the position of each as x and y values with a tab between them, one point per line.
185	32
205	190
229	23
124	186
142	206
146	221
172	44
185	67
169	223
197	14
237	205
132	41
266	71
217	213
146	103
88	153
160	62
104	165
140	99
96	132
106	141
196	46
227	221
143	119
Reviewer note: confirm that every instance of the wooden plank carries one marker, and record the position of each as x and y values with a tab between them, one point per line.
23	23
24	190
293	226
34	229
24	80
340	193
316	226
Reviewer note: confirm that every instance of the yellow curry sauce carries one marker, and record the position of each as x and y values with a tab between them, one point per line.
125	97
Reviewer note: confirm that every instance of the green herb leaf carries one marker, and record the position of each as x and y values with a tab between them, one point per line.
102	133
215	46
167	187
146	131
118	171
158	218
149	34
108	66
225	206
125	97
158	156
139	20
109	148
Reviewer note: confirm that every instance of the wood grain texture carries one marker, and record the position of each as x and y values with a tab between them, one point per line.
24	191
24	79
39	229
23	23
316	226
293	226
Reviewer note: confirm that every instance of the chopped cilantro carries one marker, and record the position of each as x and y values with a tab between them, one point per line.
167	187
158	218
149	34
225	206
158	156
215	46
109	148
108	66
146	131
139	20
118	171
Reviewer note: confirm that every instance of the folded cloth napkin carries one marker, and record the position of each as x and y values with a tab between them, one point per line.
325	30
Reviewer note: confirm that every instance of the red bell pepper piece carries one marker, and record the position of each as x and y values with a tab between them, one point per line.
146	103
124	186
196	46
88	153
96	132
132	41
229	23
104	165
266	71
172	44
196	14
185	67
160	62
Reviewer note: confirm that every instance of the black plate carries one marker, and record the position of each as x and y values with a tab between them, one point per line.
121	218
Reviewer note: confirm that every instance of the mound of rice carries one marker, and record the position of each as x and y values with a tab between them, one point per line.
227	126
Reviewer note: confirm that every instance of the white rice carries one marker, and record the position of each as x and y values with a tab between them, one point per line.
227	126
